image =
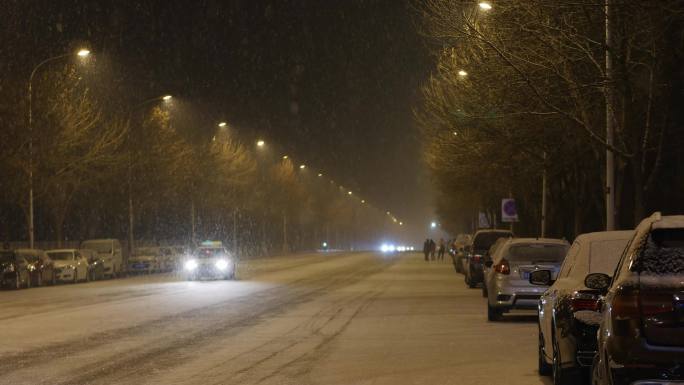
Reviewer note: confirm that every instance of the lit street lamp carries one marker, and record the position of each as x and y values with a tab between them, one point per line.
462	73
302	166
260	143
485	6
222	124
83	53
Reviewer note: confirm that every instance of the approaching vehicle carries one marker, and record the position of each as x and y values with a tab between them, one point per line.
14	272
568	309
111	253
41	267
70	265
210	260
145	260
641	332
459	246
95	264
475	252
507	281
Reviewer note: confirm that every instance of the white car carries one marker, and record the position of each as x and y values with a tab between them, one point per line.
111	253
210	261
145	260
69	265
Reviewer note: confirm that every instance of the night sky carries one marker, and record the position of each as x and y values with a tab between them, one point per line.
333	83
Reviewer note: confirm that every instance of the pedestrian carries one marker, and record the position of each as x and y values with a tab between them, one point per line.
440	251
433	247
426	249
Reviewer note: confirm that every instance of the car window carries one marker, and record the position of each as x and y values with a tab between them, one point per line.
537	252
570	259
605	255
663	253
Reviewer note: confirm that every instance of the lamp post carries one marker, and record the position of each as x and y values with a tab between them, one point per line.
81	53
131	238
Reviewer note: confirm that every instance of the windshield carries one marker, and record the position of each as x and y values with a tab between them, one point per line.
484	241
100	247
61	255
537	253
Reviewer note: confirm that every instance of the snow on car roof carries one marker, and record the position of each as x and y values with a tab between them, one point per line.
605	236
515	241
669	222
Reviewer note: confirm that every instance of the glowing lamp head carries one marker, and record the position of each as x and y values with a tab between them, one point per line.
166	98
260	143
83	53
485	6
222	124
462	73
302	166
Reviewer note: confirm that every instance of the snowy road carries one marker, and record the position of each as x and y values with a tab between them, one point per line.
357	318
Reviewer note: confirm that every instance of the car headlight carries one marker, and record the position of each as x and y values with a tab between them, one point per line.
190	264
221	264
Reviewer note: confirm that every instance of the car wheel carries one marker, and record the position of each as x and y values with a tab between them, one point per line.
543	367
493	314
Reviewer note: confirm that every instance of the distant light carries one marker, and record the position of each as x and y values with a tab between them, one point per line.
325	244
260	143
388	213
302	166
384	248
320	175
462	73
222	124
363	201
167	97
350	193
401	223
455	133
485	6
285	156
394	220
83	53
433	224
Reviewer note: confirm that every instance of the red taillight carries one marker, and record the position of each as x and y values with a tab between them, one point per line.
502	267
656	303
585	301
477	258
625	305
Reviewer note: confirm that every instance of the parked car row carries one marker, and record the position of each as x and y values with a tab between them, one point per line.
610	306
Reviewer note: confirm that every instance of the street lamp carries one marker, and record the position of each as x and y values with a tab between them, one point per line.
363	201
302	166
166	98
350	193
462	73
485	6
433	225
320	175
260	143
83	53
222	124
285	157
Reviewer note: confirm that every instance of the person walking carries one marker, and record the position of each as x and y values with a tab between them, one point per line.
440	251
433	247
426	249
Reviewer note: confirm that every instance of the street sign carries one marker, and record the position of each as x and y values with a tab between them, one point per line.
509	211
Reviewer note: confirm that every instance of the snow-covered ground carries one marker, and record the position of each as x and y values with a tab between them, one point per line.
359	318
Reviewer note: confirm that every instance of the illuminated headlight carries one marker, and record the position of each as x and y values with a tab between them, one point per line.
190	265
384	248
221	264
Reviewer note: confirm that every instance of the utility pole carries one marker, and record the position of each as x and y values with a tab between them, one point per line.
543	205
610	128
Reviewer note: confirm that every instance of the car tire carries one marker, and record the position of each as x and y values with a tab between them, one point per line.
17	282
544	368
493	314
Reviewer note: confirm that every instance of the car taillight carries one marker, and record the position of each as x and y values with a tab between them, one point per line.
625	305
585	301
502	267
653	304
477	258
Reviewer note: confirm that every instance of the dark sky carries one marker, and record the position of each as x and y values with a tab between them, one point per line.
332	82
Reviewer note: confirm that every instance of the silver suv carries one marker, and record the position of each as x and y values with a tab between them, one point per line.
508	273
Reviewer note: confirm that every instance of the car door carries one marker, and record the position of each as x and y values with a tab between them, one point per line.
549	300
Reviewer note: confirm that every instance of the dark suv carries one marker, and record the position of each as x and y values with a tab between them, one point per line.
641	334
477	251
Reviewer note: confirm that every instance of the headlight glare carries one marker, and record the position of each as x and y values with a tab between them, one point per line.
222	264
190	264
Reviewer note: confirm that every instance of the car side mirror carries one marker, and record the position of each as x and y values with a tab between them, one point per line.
489	264
597	281
541	278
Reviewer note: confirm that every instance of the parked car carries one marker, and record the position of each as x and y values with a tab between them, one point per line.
459	247
507	280
210	260
474	253
488	257
145	260
70	265
641	330
110	251
41	267
96	269
567	310
14	272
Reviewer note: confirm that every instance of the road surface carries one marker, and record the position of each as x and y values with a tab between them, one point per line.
356	318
